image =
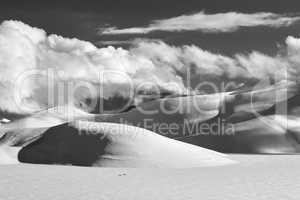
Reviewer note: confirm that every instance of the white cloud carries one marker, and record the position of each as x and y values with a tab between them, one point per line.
23	48
211	23
248	66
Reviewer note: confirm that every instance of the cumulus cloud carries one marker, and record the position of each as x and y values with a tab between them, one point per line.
204	66
27	51
255	65
210	23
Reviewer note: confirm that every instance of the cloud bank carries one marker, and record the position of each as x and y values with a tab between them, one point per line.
254	65
209	23
24	49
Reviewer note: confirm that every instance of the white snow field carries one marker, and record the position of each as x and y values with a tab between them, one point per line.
259	177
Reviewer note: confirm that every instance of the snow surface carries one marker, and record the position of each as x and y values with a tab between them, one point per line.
258	177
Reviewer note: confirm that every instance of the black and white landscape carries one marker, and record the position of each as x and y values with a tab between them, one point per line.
149	99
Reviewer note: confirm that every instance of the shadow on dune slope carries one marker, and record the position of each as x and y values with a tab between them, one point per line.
64	145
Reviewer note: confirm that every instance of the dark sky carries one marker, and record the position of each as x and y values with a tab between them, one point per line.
81	18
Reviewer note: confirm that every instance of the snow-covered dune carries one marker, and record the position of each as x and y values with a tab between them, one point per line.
115	145
237	122
110	145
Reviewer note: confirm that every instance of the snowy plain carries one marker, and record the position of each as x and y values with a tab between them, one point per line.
254	177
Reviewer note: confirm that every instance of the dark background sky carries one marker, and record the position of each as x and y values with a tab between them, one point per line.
81	18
